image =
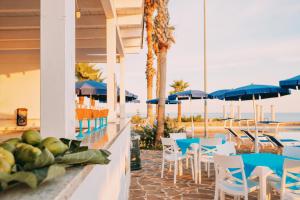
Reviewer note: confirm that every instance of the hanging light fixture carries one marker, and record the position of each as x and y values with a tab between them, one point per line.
77	13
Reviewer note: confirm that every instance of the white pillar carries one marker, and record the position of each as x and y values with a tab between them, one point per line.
122	88
57	68
111	64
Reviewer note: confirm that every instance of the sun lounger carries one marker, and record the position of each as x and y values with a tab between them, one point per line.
283	142
262	140
236	135
240	139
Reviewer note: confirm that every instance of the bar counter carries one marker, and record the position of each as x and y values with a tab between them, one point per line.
92	181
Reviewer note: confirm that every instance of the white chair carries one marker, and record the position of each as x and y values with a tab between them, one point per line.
293	152
231	178
227	149
171	154
177	136
206	152
289	190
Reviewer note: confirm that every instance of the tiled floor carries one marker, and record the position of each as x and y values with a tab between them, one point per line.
147	184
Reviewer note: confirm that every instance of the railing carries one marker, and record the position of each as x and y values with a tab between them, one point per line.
89	115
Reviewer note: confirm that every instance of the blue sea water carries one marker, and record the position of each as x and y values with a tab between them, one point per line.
281	117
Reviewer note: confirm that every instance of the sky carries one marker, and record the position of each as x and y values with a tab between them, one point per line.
255	41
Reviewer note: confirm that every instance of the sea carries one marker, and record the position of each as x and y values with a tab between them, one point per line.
281	117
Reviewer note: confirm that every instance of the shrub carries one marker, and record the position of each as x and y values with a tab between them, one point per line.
197	118
136	119
148	134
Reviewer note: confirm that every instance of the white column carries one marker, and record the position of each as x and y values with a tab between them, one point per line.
122	88
111	36
57	68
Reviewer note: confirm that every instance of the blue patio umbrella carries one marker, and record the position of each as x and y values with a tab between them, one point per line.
254	92
98	91
189	95
292	83
219	94
155	101
90	88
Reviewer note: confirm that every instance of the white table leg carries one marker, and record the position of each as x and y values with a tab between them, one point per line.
195	148
196	166
262	173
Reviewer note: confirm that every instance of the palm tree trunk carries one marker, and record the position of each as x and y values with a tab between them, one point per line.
157	81
149	96
179	114
150	72
162	95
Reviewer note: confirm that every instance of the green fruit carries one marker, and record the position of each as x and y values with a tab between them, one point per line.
54	145
26	153
8	156
13	141
31	137
4	166
49	140
8	147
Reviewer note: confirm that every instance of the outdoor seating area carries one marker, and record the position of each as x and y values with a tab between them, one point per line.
218	167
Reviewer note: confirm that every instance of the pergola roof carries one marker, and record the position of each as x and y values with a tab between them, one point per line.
20	31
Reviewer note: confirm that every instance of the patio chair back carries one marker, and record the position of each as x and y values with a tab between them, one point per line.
226	149
291	151
291	187
230	174
210	141
169	146
177	136
208	146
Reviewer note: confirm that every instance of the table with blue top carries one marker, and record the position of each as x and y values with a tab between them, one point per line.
262	165
184	144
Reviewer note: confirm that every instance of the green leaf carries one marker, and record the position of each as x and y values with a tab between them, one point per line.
49	173
74	145
46	158
90	156
54	171
27	178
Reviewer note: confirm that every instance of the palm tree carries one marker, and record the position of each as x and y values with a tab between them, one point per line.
156	51
87	71
164	38
150	6
179	86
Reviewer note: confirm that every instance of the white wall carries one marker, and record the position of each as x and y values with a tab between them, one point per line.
112	181
20	90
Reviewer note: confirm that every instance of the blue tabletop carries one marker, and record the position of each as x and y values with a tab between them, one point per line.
273	161
184	144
